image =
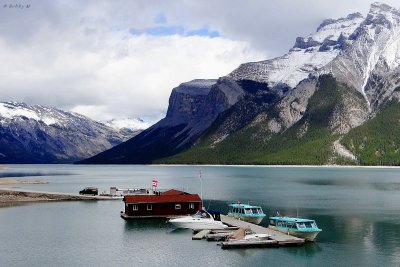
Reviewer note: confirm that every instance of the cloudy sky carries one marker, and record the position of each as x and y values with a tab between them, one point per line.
116	59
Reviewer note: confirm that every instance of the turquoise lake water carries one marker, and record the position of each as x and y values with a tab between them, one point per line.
357	208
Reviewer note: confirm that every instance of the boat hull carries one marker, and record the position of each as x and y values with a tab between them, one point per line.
307	235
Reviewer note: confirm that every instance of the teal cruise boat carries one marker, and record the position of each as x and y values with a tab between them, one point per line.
303	228
246	212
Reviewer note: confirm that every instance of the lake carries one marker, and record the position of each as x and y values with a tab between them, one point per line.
357	208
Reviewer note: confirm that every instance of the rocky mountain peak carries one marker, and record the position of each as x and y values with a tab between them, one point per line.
383	15
351	17
379	8
374	52
196	87
309	54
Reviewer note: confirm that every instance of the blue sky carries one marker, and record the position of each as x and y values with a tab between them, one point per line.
162	28
175	30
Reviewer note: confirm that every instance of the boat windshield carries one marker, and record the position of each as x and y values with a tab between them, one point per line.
202	214
301	225
257	211
306	225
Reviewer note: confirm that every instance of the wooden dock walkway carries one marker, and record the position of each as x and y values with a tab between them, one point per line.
200	235
280	238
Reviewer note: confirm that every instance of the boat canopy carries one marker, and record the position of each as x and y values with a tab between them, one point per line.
243	206
246	209
290	219
295	223
202	214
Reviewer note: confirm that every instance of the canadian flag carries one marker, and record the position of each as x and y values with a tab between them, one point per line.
154	183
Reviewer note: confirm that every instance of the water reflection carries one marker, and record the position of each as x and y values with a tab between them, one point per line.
394	186
180	231
146	224
309	249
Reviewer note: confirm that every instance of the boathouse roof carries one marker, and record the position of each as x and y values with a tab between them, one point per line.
173	192
171	196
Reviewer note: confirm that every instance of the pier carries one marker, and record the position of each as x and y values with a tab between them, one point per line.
275	239
280	238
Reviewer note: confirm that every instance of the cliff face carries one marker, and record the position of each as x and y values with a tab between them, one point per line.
193	107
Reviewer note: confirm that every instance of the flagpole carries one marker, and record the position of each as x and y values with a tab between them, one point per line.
201	189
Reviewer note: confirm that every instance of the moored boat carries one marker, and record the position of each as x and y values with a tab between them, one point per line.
246	212
202	220
302	228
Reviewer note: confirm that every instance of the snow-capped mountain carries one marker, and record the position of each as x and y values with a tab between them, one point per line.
375	52
333	98
38	134
128	126
308	55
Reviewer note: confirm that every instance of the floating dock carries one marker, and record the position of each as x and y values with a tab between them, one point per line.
249	244
276	238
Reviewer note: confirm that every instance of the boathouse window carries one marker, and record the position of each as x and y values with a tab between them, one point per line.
134	207
191	206
177	206
149	206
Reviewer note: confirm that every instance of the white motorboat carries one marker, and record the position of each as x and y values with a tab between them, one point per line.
202	220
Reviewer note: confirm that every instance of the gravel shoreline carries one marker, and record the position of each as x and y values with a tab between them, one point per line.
10	181
10	195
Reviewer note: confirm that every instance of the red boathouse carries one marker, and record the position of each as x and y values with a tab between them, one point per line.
169	203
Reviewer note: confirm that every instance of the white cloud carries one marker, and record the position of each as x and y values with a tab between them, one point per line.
112	74
79	55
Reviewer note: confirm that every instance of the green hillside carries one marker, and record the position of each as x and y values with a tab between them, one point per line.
247	146
377	142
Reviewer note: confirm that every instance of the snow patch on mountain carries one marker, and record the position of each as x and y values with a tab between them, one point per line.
331	29
133	124
10	110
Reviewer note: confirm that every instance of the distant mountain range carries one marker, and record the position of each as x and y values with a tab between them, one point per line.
128	126
38	134
332	99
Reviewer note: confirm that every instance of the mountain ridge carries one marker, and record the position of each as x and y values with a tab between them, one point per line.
293	109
